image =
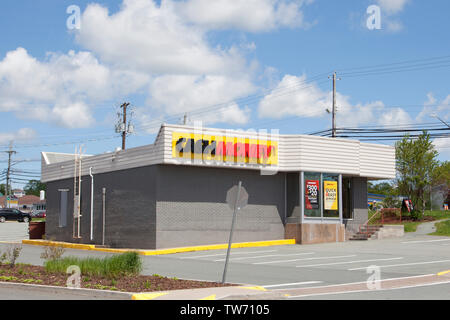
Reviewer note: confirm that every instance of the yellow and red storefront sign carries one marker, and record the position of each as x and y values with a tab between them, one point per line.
224	149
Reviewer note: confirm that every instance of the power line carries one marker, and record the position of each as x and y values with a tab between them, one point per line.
405	66
397	65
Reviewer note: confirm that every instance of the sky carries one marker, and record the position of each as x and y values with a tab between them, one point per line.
67	66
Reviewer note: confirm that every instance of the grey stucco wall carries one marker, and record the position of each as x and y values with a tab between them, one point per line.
192	209
359	204
130	209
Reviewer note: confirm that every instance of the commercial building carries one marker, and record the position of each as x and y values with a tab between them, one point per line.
173	192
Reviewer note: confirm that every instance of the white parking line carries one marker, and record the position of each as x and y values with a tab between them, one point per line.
303	259
346	262
379	290
291	284
425	241
223	254
270	255
404	264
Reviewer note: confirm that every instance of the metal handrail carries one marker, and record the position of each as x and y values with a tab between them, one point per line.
382	220
367	222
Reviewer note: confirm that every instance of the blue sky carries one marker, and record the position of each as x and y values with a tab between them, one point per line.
265	62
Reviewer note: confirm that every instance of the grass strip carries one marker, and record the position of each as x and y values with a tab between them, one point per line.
442	229
128	263
411	226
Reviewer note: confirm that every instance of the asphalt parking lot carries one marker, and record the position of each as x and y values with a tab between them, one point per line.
321	264
290	268
13	231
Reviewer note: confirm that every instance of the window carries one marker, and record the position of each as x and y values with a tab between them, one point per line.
312	195
321	195
63	207
330	195
347	210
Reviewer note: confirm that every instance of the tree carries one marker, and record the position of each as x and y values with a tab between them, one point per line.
33	187
441	174
416	160
3	189
384	188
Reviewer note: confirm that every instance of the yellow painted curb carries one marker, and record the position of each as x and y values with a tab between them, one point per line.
443	272
147	296
254	288
60	244
211	297
219	246
160	251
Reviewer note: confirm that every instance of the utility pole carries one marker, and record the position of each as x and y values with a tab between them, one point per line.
8	172
334	110
124	132
121	126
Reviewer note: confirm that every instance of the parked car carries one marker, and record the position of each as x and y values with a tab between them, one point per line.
38	214
14	214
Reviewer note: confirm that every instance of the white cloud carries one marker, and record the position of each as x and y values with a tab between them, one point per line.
442	146
178	94
433	107
22	135
392	6
59	88
73	115
161	51
247	15
294	96
395	116
146	37
184	93
186	72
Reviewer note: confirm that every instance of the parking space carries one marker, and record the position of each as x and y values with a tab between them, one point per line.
13	231
298	266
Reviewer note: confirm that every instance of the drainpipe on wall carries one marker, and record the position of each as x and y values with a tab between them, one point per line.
92	203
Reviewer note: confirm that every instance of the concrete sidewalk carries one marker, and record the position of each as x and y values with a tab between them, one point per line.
228	293
38	292
427	227
216	293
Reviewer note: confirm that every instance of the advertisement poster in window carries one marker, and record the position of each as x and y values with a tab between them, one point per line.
330	195
312	194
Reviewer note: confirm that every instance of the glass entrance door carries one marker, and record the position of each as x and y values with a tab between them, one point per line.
347	198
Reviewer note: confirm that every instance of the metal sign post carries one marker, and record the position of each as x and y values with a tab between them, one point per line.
103	208
237	198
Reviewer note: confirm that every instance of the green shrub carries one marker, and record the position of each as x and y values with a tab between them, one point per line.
128	263
415	215
11	255
53	252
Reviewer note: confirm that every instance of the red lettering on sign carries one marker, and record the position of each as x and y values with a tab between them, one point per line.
253	151
220	146
262	151
230	149
240	149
